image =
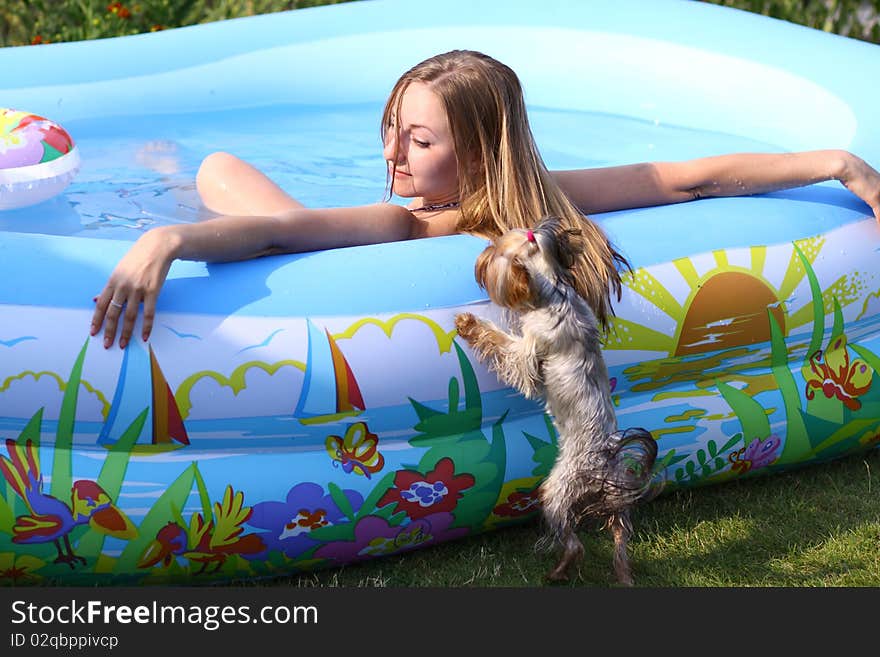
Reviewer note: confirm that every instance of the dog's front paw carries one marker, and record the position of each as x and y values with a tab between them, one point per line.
467	325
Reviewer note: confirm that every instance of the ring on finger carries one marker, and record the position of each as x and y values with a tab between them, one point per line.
116	304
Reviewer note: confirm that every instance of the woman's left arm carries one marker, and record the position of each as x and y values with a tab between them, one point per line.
660	183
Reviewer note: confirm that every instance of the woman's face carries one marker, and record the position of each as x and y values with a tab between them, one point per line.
419	142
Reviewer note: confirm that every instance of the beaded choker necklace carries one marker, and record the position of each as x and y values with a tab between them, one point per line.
441	206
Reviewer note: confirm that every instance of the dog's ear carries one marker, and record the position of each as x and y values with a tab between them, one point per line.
566	243
482	265
570	246
516	291
506	281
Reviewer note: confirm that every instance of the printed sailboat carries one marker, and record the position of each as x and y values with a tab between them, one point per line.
142	385
325	398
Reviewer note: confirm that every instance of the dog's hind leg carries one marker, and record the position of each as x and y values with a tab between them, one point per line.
621	529
572	553
561	523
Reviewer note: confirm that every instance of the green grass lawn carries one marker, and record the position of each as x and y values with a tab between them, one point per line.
818	526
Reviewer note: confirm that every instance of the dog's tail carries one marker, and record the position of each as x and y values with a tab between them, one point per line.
628	477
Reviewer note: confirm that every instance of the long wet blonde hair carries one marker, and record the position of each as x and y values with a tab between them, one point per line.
503	181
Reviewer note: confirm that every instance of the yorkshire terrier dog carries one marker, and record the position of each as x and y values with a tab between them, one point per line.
555	354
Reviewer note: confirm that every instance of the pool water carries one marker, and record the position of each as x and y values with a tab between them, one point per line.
138	172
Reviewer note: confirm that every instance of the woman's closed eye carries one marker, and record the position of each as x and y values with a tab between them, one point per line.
420	143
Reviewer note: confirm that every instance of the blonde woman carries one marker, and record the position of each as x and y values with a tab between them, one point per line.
458	143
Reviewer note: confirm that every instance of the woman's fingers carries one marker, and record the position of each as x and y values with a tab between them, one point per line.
111	320
149	315
137	280
129	317
102	302
111	306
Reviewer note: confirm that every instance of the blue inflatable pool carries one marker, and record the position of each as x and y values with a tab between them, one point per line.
314	410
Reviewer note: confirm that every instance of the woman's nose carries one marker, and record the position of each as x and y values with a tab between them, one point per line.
391	152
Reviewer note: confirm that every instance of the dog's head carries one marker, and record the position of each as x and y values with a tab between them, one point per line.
519	268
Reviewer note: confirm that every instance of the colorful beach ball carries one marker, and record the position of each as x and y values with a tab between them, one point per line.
38	159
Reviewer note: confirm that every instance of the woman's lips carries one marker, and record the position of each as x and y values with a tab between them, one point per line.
398	172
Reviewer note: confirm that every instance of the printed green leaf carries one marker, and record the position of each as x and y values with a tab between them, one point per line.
342	502
544	455
750	413
110	479
157	517
847	431
733	441
837	329
551	429
204	497
453	394
797	441
375	495
477	503
534	442
177	515
818	429
868	356
818	307
665	462
343	531
32	430
701	456
830	410
61	466
118	455
713	448
388	513
7	517
424	412
472	399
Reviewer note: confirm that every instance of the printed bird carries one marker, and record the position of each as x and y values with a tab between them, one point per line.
51	519
206	541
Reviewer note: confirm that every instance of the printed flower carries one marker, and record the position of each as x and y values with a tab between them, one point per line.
16	569
837	376
519	504
289	524
421	495
20	140
758	454
374	537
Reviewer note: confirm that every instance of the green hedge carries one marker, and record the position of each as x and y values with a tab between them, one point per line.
24	22
859	19
41	21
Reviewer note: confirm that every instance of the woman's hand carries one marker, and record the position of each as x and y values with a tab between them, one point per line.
862	180
137	279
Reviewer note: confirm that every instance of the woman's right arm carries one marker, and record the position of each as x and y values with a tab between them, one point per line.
139	276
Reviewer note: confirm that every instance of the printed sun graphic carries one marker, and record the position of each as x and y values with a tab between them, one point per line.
721	300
